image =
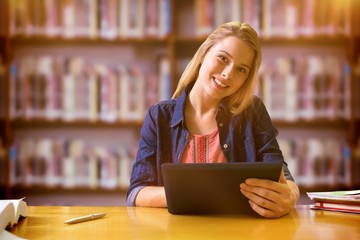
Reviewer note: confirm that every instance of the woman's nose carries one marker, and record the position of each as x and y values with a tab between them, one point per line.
227	72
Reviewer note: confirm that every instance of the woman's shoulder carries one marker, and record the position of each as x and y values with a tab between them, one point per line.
257	105
255	110
257	101
163	106
258	110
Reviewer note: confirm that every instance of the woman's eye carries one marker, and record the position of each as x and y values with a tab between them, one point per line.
223	58
242	70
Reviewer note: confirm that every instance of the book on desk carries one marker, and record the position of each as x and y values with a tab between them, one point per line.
341	201
11	211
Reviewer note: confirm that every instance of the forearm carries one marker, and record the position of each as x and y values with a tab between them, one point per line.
151	196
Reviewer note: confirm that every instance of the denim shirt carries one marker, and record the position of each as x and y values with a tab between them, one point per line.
247	137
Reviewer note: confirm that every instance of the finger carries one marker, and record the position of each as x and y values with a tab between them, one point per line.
261	197
257	182
262	211
282	178
260	183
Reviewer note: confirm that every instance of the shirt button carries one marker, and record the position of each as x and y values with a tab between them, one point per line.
225	146
178	156
220	124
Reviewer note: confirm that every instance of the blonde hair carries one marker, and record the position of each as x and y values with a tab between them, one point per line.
242	98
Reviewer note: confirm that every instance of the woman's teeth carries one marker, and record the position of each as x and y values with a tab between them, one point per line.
220	83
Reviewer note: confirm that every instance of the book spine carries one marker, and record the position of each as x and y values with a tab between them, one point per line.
354	208
152	17
123	92
164	79
14	91
165	18
108	19
68	17
125	164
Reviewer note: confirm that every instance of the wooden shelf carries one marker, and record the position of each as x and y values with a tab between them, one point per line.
189	40
298	41
306	41
41	189
37	40
41	123
322	40
310	124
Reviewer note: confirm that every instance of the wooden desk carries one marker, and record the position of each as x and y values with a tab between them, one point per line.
152	223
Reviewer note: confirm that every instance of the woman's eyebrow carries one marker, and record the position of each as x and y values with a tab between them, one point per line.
244	65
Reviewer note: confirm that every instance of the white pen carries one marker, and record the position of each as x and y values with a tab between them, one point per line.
85	218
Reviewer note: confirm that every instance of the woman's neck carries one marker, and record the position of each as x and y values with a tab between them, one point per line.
200	114
200	103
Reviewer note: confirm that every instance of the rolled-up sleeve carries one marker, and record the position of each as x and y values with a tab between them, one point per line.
143	171
265	135
130	201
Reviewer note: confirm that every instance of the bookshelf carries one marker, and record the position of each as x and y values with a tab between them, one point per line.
102	44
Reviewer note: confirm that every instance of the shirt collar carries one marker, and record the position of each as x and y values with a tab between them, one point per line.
178	116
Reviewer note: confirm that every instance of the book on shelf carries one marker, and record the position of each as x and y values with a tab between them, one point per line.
356	156
108	19
226	11
341	201
131	92
53	18
251	13
156	17
2	89
11	211
108	84
164	90
164	18
135	87
68	19
204	17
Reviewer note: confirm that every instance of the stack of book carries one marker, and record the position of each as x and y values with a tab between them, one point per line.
340	201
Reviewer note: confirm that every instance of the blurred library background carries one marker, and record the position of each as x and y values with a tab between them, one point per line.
78	76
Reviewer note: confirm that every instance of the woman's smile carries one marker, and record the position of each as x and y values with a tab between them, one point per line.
218	83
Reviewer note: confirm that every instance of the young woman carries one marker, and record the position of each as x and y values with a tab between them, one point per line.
214	117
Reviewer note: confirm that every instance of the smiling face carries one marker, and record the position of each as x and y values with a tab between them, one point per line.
225	68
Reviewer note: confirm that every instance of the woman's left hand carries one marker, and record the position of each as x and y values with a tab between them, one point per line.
271	199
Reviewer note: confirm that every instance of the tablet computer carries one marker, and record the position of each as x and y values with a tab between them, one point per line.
212	188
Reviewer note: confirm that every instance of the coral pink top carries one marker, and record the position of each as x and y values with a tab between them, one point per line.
204	149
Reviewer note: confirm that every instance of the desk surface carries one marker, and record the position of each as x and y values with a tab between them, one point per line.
154	223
